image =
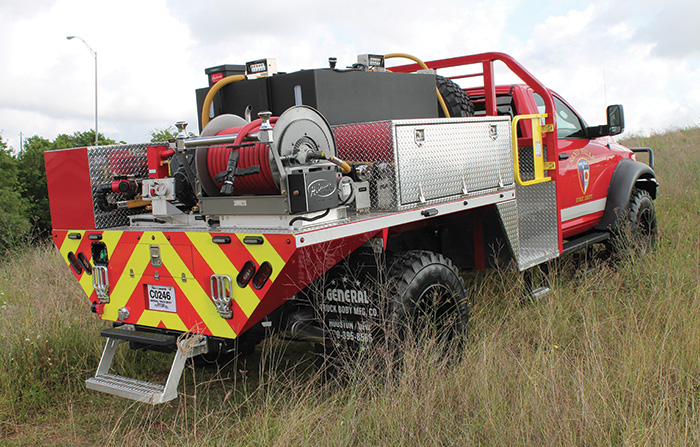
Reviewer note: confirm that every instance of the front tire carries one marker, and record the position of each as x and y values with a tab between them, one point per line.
637	228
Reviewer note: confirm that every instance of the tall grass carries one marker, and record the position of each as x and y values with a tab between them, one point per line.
610	357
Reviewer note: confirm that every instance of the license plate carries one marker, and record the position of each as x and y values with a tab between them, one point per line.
161	298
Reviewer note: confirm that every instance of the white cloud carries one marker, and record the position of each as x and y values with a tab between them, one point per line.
152	54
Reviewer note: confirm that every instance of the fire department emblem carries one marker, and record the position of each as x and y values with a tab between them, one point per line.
584	174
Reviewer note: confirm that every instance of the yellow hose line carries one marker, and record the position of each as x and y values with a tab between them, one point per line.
441	100
213	91
442	103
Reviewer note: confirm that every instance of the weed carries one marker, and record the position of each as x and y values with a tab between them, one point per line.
608	358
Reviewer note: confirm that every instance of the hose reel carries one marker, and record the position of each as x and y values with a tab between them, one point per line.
302	138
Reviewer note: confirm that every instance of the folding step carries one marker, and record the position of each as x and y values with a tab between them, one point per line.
140	390
539	292
129	333
536	280
125	387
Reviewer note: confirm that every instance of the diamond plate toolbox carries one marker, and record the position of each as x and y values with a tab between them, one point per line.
108	162
74	175
414	163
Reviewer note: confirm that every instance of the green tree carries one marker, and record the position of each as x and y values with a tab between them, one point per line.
160	135
14	225
31	174
80	139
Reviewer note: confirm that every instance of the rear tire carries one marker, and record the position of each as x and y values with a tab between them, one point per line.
428	298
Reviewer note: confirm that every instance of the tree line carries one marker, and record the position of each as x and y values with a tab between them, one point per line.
24	202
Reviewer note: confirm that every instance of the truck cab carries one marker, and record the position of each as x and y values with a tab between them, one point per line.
587	156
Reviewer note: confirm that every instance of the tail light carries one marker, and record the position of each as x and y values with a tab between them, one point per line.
262	275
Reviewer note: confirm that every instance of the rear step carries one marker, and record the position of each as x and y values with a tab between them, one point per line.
139	390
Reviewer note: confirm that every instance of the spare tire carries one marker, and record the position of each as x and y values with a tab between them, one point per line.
457	101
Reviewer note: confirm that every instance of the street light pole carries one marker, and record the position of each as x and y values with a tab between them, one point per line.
94	54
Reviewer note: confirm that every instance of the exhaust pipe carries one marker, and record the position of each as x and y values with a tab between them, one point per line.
303	326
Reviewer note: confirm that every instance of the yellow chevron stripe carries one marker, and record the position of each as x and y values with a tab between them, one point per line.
197	296
70	244
171	320
220	264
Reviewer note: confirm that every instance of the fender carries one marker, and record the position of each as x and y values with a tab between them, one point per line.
627	175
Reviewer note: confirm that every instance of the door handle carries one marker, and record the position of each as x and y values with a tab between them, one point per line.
563	156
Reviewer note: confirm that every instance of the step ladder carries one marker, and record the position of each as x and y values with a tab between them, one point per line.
536	280
140	390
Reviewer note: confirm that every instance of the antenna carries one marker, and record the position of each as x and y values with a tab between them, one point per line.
605	89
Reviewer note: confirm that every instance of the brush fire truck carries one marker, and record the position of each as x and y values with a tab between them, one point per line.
315	202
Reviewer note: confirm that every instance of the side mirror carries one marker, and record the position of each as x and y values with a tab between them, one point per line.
615	126
616	119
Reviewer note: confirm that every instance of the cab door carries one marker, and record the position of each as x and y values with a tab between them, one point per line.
585	168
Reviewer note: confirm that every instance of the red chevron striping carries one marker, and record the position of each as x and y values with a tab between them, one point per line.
283	245
185	310
306	264
202	276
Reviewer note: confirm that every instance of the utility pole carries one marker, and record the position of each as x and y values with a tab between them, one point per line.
94	54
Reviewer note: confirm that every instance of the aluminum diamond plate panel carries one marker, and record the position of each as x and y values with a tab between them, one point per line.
414	163
445	160
372	143
537	221
105	163
508	212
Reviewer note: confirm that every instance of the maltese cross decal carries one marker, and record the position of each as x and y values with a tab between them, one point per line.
584	174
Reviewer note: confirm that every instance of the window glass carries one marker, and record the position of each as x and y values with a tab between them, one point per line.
568	123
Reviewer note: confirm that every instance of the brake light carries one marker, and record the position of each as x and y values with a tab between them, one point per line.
85	262
246	274
263	275
73	260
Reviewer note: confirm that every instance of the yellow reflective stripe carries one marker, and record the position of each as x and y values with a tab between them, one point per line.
264	252
171	320
220	264
70	245
194	293
86	284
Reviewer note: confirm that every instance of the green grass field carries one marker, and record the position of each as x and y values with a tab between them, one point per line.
611	357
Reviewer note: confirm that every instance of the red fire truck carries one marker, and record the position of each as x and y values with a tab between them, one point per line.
355	197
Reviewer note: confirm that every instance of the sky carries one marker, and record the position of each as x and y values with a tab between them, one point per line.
151	54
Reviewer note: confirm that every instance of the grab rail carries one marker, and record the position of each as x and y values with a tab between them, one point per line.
540	165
